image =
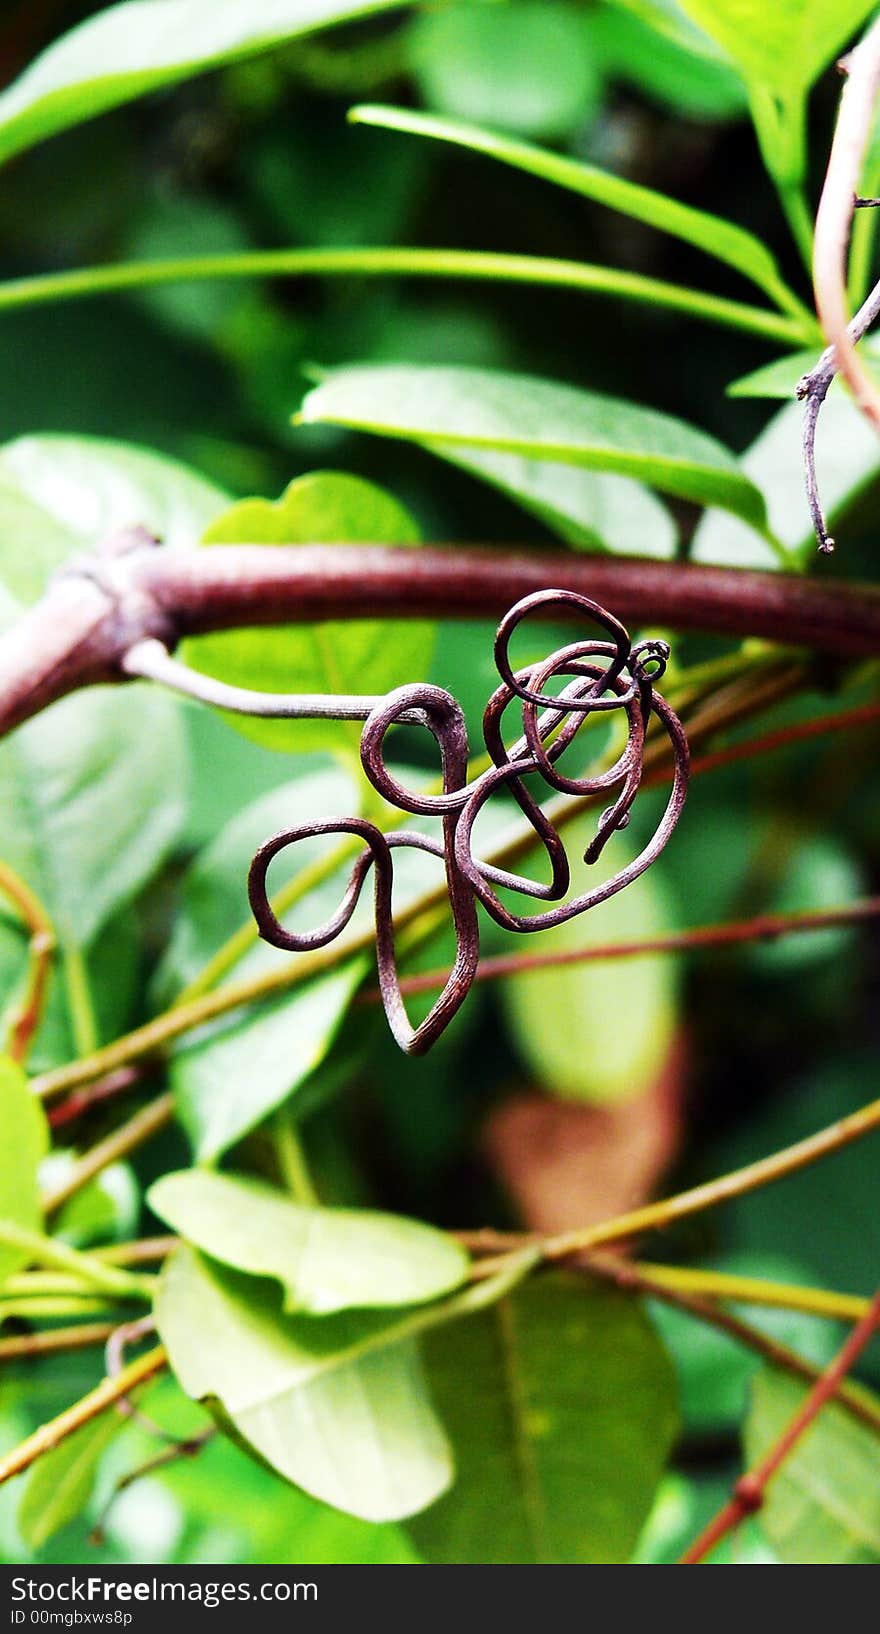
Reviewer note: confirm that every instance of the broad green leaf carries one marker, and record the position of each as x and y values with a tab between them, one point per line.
23	1146
339	1406
847	460
822	1507
721	239
540	419
599	1032
561	1406
587	509
128	50
93	791
325	1259
62	495
230	1075
59	1485
528	66
326	507
783	45
92	798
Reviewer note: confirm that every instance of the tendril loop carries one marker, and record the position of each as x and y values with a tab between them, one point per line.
599	675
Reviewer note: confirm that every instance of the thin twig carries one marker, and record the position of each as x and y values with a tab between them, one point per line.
145	1251
41	947
78	1337
131	1135
835	212
733	933
784	737
642	1279
831	245
106	1089
738	1183
189	1448
750	1490
82	1412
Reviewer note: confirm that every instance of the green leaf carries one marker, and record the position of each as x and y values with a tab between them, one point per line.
780	378
847	459
528	66
131	49
784	45
63	495
87	815
599	1032
326	507
59	1485
650	44
25	1143
338	1406
540	419
325	1259
777	379
587	509
718	238
822	1507
562	1411
87	812
230	1075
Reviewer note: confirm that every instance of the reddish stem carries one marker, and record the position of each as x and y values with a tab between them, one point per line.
750	1489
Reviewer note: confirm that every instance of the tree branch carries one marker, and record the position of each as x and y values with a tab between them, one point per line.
98	609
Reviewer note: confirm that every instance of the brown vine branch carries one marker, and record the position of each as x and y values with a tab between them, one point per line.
750	1489
830	251
94	613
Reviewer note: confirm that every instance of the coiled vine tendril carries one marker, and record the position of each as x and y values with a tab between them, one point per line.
605	675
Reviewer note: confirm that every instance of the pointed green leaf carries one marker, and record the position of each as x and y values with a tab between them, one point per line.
561	1405
719	238
587	509
23	1146
540	419
128	50
822	1507
358	656
326	1259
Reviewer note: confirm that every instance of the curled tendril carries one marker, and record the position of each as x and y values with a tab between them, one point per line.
599	675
